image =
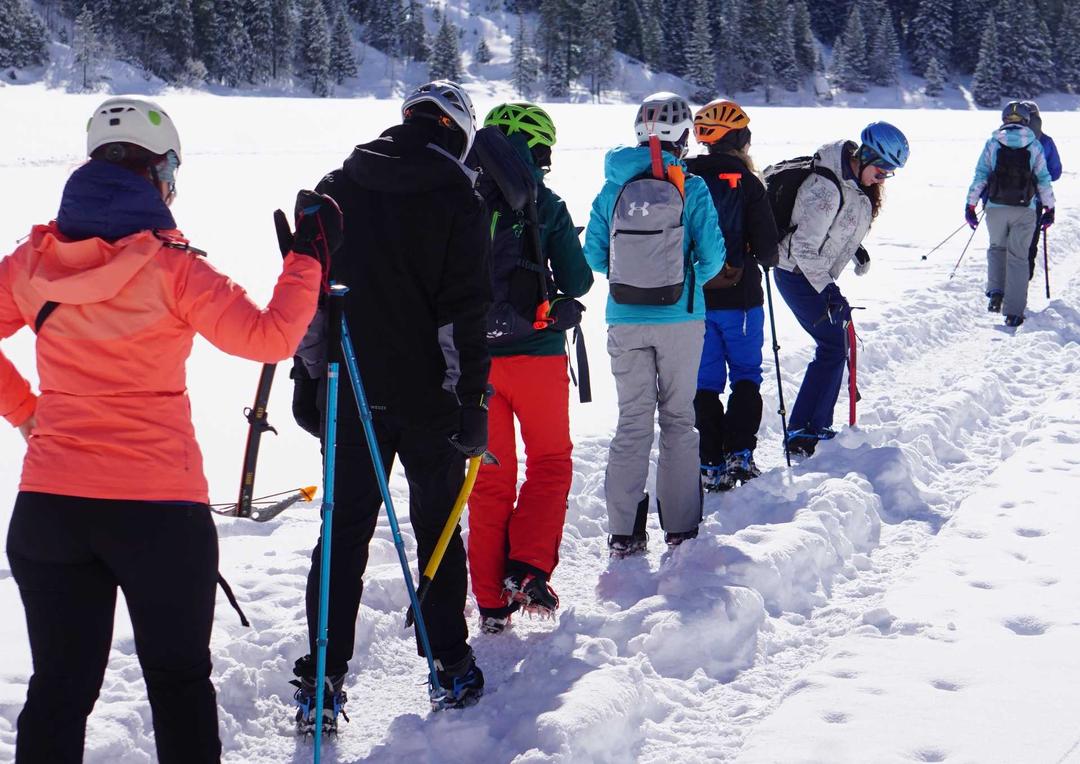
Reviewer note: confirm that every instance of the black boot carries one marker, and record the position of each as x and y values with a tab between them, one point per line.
334	699
528	587
460	684
627	546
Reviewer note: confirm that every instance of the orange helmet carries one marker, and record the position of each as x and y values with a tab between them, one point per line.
716	119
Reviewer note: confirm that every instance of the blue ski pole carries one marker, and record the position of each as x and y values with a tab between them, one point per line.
337	298
435	691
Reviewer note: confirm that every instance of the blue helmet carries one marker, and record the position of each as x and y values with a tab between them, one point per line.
883	145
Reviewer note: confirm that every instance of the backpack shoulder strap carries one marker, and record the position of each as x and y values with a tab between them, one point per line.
43	315
827	173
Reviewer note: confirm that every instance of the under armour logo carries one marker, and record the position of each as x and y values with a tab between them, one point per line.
635	207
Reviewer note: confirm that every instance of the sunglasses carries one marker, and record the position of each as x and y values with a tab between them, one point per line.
882	172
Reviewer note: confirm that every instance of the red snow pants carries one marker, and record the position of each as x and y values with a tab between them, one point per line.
525	526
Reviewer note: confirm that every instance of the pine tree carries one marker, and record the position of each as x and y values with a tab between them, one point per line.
482	54
986	83
557	81
700	60
88	46
628	28
805	49
933	33
445	62
781	41
849	55
384	16
236	52
413	35
523	62
967	29
342	56
935	79
284	25
885	60
756	30
313	49
732	69
1067	52
1033	50
599	48
181	41
652	35
260	28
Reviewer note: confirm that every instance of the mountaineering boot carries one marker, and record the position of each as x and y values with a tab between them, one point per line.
531	591
334	699
741	467
460	684
494	624
635	543
994	305
714	477
801	443
1014	320
674	539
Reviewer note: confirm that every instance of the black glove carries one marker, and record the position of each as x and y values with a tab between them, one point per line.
1047	218
862	261
318	227
471	439
970	216
837	309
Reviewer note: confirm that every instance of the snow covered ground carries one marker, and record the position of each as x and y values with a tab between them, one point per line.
906	595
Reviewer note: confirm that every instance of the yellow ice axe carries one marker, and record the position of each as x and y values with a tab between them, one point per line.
447	533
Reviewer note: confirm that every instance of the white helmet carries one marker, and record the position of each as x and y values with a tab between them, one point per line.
453	101
132	120
666	115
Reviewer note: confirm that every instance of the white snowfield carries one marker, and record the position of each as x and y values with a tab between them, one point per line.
908	594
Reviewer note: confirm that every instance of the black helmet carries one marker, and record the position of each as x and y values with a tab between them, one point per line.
1016	113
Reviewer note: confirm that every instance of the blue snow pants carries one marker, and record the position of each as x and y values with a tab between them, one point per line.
733	338
813	409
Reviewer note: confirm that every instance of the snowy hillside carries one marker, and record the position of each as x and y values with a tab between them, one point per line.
908	594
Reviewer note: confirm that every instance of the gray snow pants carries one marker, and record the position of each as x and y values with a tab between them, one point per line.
1007	268
655	364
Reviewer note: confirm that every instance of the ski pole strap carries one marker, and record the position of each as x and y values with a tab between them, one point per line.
232	599
585	385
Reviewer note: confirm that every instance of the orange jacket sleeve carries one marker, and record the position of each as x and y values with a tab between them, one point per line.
17	403
220	310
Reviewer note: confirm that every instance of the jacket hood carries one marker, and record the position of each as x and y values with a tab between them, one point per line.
521	145
404	159
626	162
106	201
1015	136
831	156
723	162
85	271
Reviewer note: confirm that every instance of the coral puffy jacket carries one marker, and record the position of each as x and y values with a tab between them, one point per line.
113	420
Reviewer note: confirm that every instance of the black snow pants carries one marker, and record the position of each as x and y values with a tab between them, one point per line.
435	471
68	556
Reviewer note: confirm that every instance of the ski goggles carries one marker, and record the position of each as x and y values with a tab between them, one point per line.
868	156
165	171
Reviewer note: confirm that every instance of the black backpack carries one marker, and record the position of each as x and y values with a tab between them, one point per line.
524	297
1011	181
782	182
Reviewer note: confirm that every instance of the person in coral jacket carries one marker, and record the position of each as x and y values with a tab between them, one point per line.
112	492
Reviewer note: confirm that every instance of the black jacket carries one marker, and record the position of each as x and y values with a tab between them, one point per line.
415	259
747	223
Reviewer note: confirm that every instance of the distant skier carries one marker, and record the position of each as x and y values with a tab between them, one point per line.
653	232
1053	166
415	259
735	317
112	492
514	535
833	211
1012	170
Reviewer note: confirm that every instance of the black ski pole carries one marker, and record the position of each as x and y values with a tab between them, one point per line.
943	241
776	356
970	238
1046	264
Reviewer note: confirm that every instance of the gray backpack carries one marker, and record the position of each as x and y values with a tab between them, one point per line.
646	263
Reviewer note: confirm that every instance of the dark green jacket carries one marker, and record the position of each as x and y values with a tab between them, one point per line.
562	248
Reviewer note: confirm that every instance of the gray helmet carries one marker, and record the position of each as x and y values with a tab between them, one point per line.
453	101
665	115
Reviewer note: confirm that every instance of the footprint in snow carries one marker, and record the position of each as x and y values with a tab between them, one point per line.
981	584
945	685
1030	533
835	717
1026	625
928	754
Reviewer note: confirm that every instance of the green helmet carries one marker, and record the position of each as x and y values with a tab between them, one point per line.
523	117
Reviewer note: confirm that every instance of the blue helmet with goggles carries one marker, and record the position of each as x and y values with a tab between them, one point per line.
884	146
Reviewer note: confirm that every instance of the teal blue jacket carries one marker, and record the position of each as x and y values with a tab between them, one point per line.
699	216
